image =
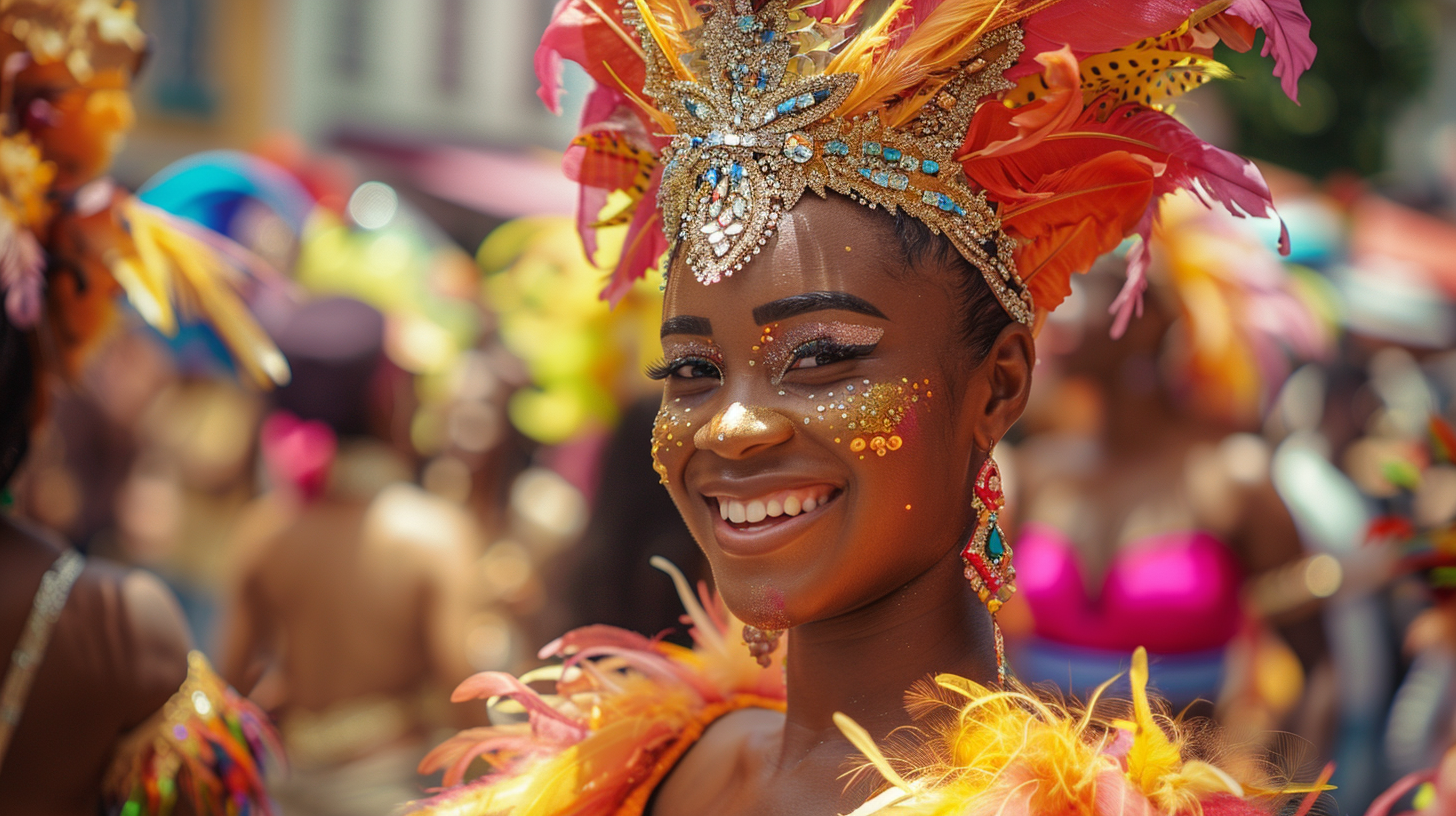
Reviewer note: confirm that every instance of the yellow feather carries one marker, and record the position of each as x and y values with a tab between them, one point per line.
670	49
151	273
707	632
198	275
865	744
938	47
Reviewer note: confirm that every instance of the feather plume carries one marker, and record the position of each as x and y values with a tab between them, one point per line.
1286	36
940	43
591	34
1076	215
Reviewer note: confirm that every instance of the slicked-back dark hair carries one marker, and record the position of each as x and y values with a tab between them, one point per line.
17	397
982	316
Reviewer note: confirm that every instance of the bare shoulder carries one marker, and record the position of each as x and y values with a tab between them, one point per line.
732	754
148	633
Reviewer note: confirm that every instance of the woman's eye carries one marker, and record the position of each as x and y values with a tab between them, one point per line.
822	352
685	368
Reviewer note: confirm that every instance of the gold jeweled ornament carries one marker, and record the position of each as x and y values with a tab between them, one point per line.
754	131
988	554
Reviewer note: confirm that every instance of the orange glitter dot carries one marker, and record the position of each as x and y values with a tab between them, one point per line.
857	445
907	507
894	443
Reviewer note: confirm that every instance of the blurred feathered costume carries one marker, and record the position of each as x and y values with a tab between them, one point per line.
627	708
70	240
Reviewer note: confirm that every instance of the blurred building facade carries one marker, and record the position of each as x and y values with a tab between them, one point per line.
390	82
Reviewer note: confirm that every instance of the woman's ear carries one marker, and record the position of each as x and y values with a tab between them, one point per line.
1006	384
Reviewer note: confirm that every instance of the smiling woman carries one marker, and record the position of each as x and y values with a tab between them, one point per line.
837	369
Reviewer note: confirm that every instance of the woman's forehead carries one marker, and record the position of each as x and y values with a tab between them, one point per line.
832	245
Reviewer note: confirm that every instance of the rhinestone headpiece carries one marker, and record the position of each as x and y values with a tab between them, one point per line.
755	129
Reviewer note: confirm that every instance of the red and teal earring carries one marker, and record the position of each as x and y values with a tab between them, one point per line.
988	553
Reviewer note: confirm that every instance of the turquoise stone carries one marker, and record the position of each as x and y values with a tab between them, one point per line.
892	154
995	546
930	167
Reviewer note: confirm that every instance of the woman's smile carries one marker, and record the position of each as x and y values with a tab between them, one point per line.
758	523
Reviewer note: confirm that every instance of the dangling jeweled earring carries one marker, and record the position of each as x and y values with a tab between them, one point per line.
988	553
762	643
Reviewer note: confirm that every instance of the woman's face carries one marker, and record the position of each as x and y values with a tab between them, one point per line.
821	419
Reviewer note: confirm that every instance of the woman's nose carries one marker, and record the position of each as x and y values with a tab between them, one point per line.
739	431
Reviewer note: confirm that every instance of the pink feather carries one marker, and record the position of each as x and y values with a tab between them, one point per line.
1286	36
546	722
22	275
596	636
1097	26
645	245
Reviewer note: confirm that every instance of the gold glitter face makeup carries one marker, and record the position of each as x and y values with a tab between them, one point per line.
674	424
880	412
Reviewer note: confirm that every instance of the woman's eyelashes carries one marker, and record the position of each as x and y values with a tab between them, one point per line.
688	361
684	368
824	351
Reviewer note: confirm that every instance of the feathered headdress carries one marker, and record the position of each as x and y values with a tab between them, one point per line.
1030	132
70	240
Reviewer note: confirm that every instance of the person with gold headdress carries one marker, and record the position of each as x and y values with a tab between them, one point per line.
838	368
101	705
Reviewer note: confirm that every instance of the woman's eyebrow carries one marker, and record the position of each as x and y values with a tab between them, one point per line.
793	305
687	324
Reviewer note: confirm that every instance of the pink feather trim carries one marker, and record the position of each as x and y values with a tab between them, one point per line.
1286	36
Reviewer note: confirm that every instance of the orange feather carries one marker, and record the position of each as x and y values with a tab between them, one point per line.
1075	216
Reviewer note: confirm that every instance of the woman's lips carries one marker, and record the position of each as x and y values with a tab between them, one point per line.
759	524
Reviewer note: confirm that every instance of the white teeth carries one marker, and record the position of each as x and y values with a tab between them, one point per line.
786	503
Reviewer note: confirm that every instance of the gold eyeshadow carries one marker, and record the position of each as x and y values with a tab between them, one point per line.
779	346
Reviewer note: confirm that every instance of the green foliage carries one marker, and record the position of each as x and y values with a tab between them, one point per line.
1374	55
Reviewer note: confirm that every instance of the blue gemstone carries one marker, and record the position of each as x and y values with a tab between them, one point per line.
696	141
837	148
767	37
995	546
872	148
946	203
787	106
737	171
746	23
822	94
892	154
881	178
693	108
865	171
930	167
762	78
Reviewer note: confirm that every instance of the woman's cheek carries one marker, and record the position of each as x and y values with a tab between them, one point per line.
671	432
873	419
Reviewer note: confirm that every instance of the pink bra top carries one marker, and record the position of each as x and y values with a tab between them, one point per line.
1172	593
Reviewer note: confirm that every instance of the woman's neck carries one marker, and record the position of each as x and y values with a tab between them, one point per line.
862	663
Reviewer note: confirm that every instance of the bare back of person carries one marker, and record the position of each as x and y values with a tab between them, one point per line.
116	655
350	599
